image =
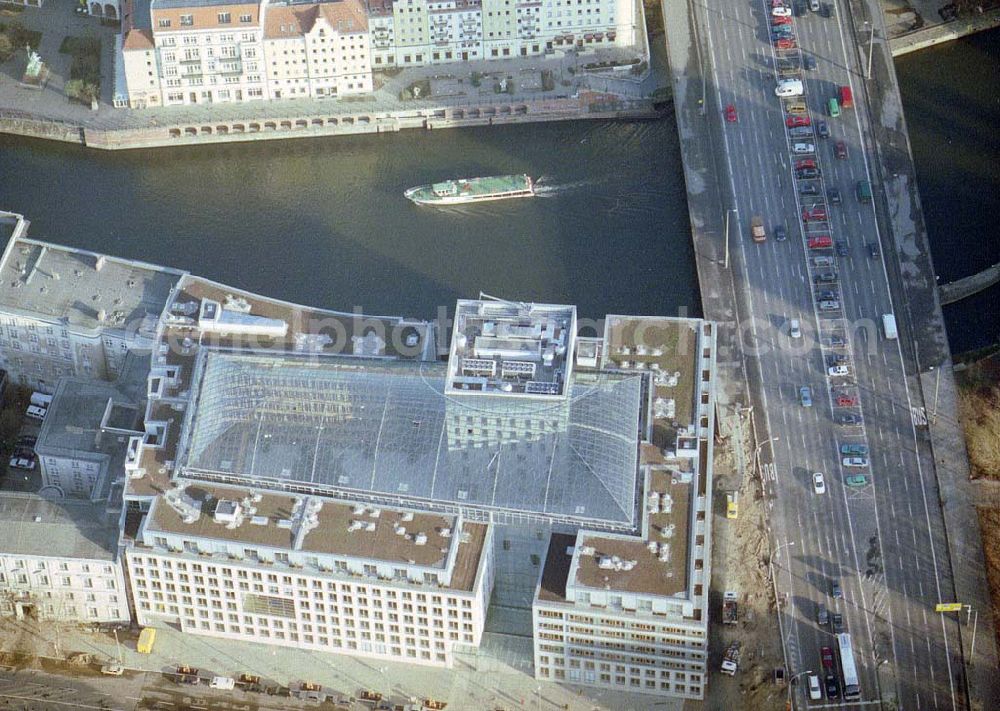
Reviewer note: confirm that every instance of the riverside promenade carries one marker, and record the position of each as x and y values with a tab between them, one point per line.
462	94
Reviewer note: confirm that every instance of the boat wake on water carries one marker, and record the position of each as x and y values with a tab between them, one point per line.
543	189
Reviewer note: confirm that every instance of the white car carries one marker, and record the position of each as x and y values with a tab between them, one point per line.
838	371
794	330
789	87
781	11
226	683
803	148
819	483
815	694
855	461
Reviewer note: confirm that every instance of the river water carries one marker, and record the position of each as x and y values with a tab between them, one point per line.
324	222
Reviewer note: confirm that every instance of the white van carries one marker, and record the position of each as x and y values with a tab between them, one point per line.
801	148
35	412
41	399
225	683
889	326
789	87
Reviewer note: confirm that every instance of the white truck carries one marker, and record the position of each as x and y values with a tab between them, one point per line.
41	399
731	660
889	326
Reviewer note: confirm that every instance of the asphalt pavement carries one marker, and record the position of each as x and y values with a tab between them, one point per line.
883	541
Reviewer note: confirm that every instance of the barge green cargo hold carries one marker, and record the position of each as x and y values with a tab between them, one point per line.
455	192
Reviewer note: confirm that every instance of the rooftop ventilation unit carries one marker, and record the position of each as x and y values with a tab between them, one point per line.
407	516
186	506
356	526
370	526
420	539
228	512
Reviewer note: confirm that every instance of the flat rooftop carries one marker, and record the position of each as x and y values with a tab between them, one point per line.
667	348
32	525
650	573
85	289
342	528
350	426
72	425
511	348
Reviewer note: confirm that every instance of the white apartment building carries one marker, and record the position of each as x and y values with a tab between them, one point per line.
81	443
68	312
631	612
311	572
319	50
59	561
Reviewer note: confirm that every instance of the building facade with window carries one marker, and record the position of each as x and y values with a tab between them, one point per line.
59	561
68	312
312	573
318	51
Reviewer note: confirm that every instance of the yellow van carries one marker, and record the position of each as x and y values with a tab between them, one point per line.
796	107
146	639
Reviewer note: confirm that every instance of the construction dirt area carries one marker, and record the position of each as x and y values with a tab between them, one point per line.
740	553
979	409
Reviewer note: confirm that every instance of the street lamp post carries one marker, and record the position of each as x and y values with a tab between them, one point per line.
774	556
791	701
756	452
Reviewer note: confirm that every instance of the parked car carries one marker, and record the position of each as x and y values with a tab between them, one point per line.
801	132
781	11
815	693
858	462
837	359
806	173
113	669
839	371
825	10
854	449
849	418
26	441
846	401
814	214
35	412
785	44
808	189
822	129
820	242
840	150
803	163
801	148
829	305
826	295
777	21
819	483
793	121
856	480
834	341
825	278
805	396
832	687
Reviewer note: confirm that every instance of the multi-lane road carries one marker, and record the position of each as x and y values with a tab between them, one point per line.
882	541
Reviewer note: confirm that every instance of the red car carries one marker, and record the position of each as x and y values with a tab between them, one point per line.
805	163
731	116
816	214
784	43
793	121
775	21
820	242
841	150
846	401
826	654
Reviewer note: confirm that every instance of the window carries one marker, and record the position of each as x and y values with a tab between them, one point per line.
225	18
164	23
246	18
187	20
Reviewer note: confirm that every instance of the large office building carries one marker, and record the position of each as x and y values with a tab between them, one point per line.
323	480
219	51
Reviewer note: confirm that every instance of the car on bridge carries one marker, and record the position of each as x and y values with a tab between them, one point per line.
793	121
819	483
858	462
